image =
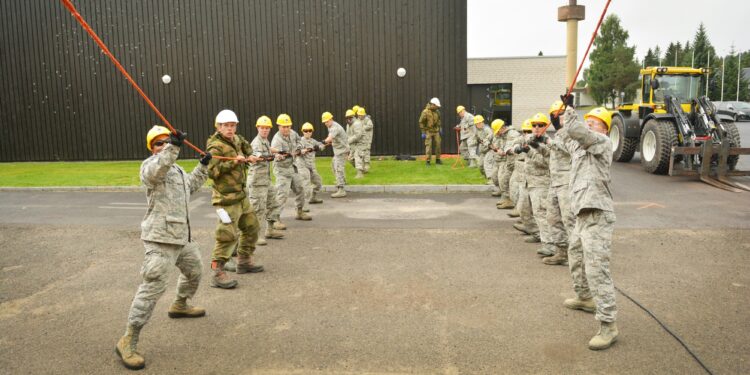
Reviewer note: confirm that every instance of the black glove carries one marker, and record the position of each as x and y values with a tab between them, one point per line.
542	139
534	143
520	149
177	137
567	100
206	158
556	122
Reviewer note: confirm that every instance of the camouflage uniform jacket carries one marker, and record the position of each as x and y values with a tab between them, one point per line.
504	141
559	159
229	178
520	167
288	144
168	190
338	134
467	126
483	138
537	165
368	127
260	172
591	160
429	120
308	159
356	134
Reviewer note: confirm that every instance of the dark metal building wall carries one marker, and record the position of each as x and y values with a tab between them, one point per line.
61	99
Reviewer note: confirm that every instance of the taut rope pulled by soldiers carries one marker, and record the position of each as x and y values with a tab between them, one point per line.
69	5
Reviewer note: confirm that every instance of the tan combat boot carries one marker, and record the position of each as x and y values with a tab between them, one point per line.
220	278
547	250
521	228
587	305
359	174
180	309
272	233
533	238
279	225
126	348
230	265
301	215
314	199
560	258
514	213
505	203
606	336
340	193
245	265
261	241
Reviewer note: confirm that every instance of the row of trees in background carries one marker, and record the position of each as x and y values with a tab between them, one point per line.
614	67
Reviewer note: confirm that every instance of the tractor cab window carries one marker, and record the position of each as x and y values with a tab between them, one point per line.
683	87
646	89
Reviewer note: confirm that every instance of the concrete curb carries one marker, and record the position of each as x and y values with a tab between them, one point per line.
396	189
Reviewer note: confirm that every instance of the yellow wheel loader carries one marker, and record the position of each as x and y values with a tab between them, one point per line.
677	129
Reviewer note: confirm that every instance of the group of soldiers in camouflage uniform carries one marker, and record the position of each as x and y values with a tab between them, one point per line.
359	131
242	194
559	189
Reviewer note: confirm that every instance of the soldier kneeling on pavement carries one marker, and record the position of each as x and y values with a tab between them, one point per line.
165	232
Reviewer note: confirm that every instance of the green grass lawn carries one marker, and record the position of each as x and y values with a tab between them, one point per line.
125	173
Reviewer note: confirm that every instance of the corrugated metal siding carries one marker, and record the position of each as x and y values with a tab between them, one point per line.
61	99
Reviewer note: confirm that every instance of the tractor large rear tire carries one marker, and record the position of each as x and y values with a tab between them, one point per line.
657	139
734	141
624	148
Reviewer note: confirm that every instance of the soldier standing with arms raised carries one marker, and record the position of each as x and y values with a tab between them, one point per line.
338	140
430	125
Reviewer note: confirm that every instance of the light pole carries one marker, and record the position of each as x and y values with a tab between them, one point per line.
723	64
739	70
571	14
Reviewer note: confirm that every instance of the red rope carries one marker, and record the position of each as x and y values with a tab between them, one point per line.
68	4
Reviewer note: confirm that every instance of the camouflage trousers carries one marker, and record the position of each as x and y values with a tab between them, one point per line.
304	173
524	209
159	260
338	164
505	170
244	227
516	180
366	154
560	218
490	167
432	140
265	205
316	182
538	197
588	258
481	162
357	157
294	182
467	151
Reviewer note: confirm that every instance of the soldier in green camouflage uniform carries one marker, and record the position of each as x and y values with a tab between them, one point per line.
430	125
591	240
537	179
560	217
369	128
338	140
229	194
504	161
467	146
167	238
262	190
311	144
286	167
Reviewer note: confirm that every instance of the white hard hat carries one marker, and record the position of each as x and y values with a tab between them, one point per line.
435	101
226	115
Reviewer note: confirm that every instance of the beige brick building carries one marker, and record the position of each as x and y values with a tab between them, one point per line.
535	81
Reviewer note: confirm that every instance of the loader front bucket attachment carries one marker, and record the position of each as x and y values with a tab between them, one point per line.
704	170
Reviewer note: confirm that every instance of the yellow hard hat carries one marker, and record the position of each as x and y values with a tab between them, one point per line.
155	132
349	113
478	119
284	120
264	122
307	126
460	109
355	109
326	116
556	107
497	125
526	124
540	118
361	111
602	114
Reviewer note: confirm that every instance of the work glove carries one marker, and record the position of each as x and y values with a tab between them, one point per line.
534	143
424	135
206	158
567	100
556	122
519	149
177	137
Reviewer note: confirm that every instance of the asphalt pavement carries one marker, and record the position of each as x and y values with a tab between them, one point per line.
379	283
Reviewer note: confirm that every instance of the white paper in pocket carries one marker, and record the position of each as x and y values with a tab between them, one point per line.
224	216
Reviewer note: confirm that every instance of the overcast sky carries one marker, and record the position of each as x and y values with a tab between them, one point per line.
498	28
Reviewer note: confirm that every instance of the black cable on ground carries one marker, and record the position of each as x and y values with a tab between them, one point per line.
684	345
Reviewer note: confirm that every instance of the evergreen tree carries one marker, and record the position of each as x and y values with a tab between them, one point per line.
673	54
613	67
657	56
687	55
650	59
730	78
